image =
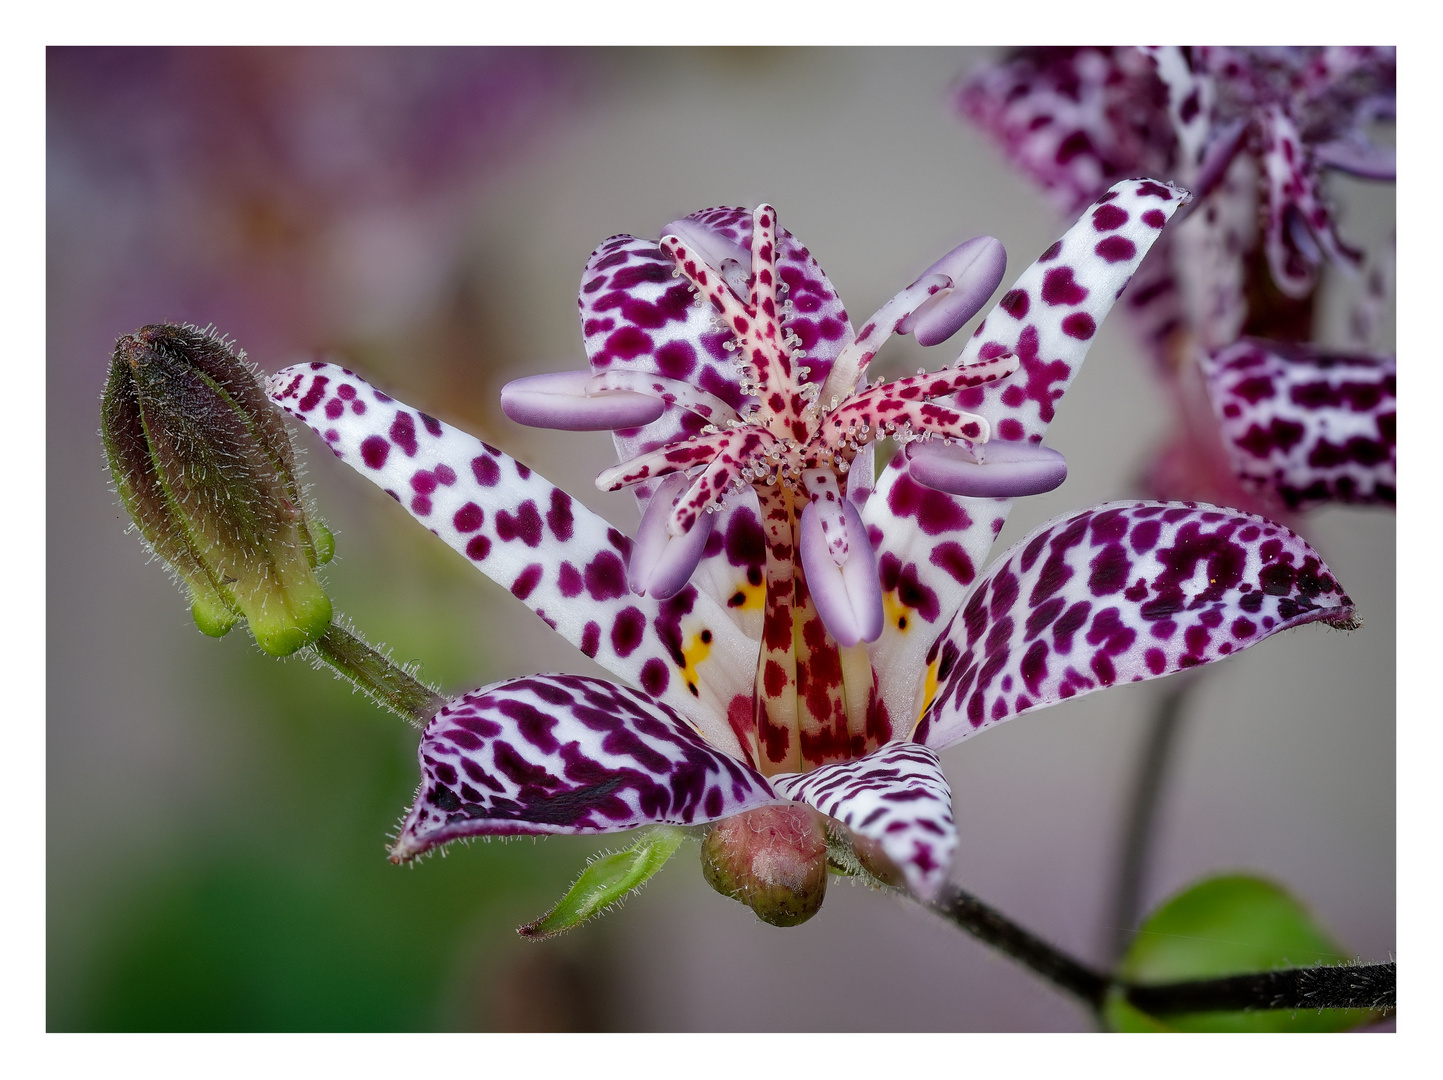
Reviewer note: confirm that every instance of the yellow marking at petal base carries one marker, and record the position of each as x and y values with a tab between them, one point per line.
899	615
929	690
748	597
694	653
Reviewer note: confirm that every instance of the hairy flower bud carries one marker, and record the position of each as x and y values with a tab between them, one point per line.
773	859
875	861
204	466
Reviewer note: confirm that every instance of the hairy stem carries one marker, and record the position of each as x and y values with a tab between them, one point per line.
1347	986
376	675
1141	820
1351	986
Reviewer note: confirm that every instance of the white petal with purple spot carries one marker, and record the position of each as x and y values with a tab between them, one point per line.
929	544
1119	593
562	560
898	797
1312	426
567	754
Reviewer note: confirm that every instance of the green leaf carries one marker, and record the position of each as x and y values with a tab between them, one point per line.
607	880
1229	925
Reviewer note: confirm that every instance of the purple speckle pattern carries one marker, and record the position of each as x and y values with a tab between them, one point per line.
638	315
567	754
533	539
1069	118
1309	425
1299	232
1119	593
1062	298
816	315
640	318
898	797
929	543
803	422
1077	119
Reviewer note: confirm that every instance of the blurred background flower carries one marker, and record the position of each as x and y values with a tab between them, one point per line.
1257	134
216	821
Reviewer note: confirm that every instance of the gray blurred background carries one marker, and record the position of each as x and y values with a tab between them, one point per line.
216	820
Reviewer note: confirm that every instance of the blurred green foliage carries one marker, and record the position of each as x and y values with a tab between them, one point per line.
283	912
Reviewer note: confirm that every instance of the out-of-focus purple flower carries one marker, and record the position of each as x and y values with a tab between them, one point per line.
1079	119
1251	131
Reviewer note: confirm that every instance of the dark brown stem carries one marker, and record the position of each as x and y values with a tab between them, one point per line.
377	675
1353	986
1350	986
991	926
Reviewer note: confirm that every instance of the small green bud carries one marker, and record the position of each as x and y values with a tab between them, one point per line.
204	466
773	859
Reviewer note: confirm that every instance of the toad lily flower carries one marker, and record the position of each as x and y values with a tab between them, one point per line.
788	629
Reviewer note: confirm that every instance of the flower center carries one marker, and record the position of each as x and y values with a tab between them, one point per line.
798	433
794	445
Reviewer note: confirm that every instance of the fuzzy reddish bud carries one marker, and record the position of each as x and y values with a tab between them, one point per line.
773	859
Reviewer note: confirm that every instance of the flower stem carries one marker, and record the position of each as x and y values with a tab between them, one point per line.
1140	824
376	675
989	925
1346	986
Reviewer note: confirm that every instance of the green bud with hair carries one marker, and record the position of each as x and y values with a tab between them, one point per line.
205	467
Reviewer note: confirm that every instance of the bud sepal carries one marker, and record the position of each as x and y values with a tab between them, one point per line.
204	466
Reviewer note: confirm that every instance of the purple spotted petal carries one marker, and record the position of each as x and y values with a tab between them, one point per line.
637	317
1074	120
1299	231
1049	316
1119	593
662	564
1310	425
1190	97
558	399
816	314
1077	119
896	796
930	544
731	572
1005	470
567	754
848	597
564	562
976	268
